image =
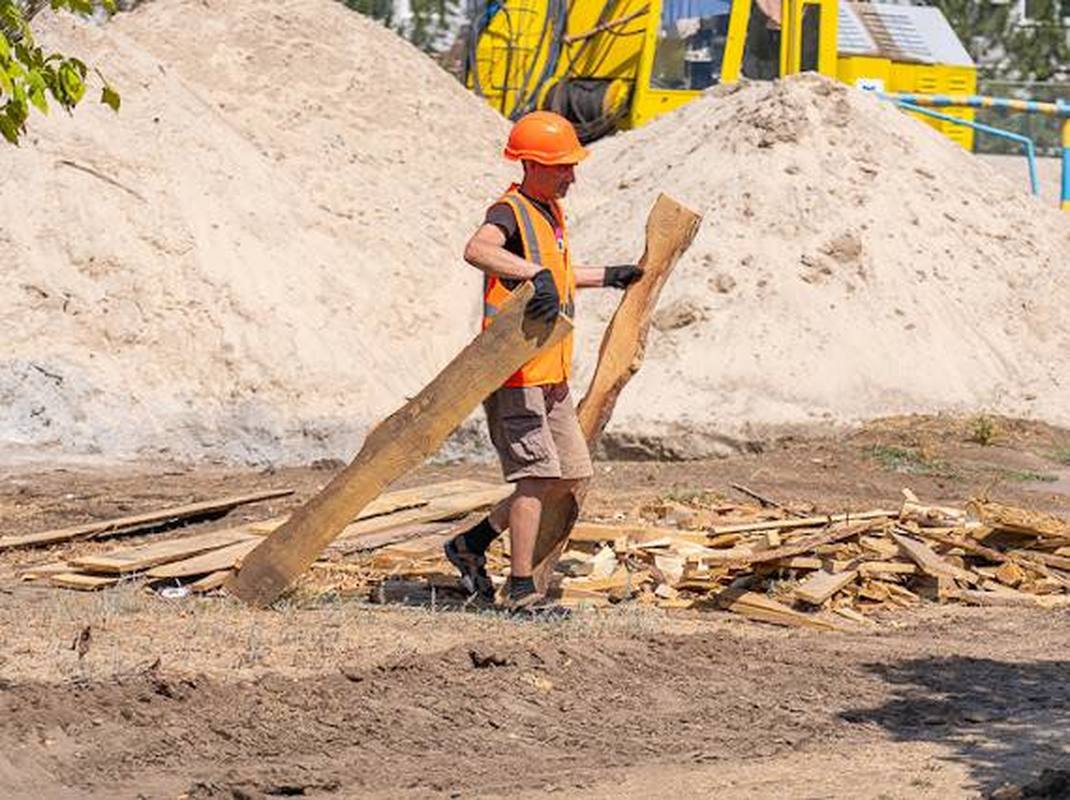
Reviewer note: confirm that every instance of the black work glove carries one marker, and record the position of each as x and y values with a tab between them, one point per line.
623	276
546	302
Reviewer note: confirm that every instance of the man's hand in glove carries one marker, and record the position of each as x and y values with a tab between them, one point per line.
623	276
546	302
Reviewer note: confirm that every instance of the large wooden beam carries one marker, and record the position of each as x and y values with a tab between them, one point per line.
670	229
398	444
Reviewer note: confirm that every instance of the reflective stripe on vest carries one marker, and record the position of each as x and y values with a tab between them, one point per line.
542	248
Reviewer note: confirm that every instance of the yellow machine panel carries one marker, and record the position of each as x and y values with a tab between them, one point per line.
523	47
907	49
939	79
610	64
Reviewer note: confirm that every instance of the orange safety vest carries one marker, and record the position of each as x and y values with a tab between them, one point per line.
543	248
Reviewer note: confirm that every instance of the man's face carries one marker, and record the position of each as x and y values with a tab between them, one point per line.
550	181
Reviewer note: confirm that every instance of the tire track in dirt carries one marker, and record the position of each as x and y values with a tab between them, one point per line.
486	718
439	723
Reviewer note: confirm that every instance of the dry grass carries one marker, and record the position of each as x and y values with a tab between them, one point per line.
131	627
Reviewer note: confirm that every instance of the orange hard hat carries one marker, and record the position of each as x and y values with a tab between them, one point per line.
546	138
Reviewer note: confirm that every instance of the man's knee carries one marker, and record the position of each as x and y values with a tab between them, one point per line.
546	487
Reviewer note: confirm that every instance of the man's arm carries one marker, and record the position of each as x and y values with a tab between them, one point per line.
619	277
589	277
486	251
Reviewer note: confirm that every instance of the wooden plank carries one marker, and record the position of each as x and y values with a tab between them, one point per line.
1047	559
619	579
759	607
136	522
820	586
43	570
419	548
996	556
631	532
1020	520
223	558
396	445
574	598
439	509
392	504
868	568
835	534
1010	574
801	522
849	613
928	516
210	582
136	559
85	583
391	536
885	548
929	562
670	229
798	562
421	496
874	590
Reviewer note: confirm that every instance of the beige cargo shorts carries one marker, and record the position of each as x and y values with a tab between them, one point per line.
536	433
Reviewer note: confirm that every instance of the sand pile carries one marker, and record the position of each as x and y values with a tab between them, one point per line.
852	263
255	259
260	256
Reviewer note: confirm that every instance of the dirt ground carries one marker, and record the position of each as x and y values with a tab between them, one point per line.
333	697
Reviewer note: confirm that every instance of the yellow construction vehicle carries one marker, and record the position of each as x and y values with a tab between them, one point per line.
610	64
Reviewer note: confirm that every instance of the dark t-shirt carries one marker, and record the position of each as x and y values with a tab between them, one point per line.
502	217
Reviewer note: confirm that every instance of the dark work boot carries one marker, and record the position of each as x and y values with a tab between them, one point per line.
472	566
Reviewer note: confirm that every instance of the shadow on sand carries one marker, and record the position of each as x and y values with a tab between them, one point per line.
1005	721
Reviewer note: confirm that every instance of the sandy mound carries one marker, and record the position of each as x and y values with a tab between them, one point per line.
852	263
260	256
255	259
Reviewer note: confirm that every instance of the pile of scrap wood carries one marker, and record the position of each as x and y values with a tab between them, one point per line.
203	561
787	569
766	563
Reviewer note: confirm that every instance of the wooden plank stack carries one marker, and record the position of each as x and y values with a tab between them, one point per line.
764	563
206	560
812	571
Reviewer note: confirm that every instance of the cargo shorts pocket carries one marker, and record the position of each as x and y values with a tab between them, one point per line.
525	438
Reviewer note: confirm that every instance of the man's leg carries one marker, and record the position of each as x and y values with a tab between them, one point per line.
525	513
522	434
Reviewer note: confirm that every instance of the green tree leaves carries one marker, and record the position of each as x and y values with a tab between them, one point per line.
428	20
29	75
382	10
1034	49
1038	49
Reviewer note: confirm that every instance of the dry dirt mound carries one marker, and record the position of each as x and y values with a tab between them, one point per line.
255	259
852	263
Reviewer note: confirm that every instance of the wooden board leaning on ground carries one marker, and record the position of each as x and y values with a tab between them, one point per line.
396	445
670	229
393	518
136	523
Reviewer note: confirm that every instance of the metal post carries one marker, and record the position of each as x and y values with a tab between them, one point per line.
1024	141
1065	200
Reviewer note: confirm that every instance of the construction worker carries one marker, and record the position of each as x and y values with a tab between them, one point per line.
532	418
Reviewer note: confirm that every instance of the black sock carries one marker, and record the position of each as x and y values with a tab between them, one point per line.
518	587
478	539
